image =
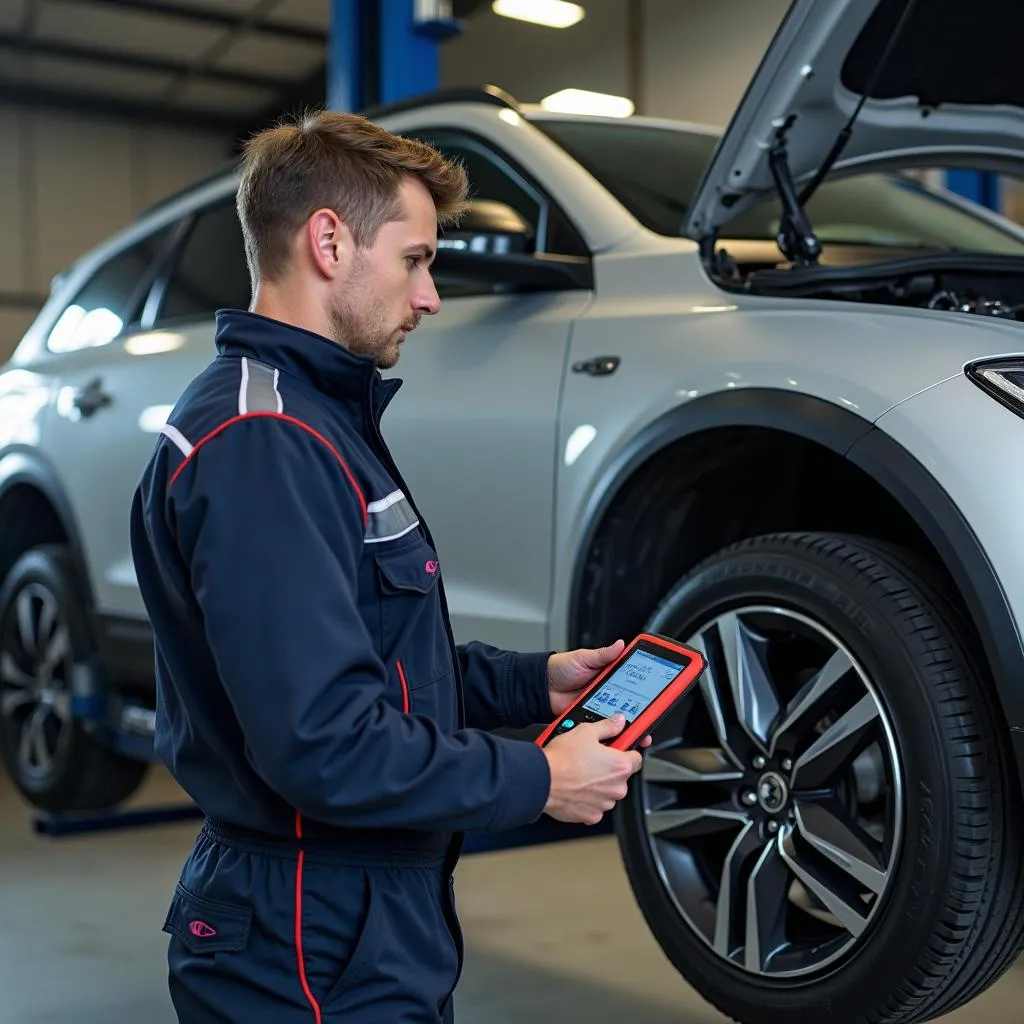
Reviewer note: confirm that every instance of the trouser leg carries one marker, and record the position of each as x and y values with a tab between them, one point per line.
269	937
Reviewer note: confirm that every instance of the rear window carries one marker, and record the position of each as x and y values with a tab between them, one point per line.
211	272
110	300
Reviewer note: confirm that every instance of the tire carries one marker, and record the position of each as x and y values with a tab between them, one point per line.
917	785
41	598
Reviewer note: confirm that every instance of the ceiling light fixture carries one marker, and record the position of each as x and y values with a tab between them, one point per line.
580	101
550	13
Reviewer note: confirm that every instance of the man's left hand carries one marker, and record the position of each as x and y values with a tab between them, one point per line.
570	672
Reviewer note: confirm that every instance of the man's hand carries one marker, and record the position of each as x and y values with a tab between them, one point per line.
570	672
587	777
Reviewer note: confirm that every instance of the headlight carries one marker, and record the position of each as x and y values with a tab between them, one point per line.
1003	379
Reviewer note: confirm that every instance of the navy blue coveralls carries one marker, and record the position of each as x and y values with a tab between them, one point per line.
310	696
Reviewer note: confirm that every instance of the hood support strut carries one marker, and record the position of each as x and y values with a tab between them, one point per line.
796	238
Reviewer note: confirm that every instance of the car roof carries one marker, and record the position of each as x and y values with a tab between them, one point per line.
220	180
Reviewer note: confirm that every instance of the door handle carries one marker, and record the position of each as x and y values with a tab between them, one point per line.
599	367
91	397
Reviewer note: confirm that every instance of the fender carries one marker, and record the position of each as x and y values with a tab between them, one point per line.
889	464
25	467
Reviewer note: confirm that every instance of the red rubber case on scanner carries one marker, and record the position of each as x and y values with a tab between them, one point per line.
635	731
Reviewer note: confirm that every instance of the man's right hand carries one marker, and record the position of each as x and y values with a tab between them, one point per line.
588	777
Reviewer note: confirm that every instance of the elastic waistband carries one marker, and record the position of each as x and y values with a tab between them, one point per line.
360	848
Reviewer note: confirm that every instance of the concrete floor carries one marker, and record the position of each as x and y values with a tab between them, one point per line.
80	935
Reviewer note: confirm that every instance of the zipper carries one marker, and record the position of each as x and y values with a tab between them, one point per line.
405	686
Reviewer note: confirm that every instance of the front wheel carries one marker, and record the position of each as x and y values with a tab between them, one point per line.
829	828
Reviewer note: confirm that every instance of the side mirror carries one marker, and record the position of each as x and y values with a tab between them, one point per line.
493	243
488	226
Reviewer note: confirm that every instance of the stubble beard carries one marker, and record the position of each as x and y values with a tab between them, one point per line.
362	329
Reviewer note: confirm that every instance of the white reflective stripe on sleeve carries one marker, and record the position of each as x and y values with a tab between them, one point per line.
178	438
389	518
386	502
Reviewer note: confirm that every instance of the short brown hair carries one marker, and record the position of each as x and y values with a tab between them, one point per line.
338	161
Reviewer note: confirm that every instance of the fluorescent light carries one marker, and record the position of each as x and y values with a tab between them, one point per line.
580	101
551	13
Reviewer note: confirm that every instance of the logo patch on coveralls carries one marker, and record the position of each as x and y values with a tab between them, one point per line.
432	566
201	929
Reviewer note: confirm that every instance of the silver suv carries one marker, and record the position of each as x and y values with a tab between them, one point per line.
761	392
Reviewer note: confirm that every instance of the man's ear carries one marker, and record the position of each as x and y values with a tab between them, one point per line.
329	241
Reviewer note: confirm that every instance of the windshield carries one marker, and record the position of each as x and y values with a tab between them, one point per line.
654	171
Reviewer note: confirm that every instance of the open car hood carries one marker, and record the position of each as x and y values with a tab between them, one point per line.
947	94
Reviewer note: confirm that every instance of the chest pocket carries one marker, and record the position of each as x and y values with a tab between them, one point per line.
414	642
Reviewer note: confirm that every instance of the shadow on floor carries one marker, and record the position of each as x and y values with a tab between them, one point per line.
497	990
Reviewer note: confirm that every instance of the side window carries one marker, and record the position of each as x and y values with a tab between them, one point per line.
110	300
211	272
494	179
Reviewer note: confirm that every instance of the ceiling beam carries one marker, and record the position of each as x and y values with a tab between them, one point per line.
184	10
117	58
98	105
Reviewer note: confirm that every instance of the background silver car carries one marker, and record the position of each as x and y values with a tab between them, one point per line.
714	388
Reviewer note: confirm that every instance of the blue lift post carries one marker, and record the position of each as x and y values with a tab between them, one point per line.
383	51
380	51
980	186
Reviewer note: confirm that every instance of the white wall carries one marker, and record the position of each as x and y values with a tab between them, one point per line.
67	182
699	55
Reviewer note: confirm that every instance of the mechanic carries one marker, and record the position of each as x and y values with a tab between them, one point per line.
311	698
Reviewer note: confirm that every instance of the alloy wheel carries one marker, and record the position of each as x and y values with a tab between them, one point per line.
36	667
773	799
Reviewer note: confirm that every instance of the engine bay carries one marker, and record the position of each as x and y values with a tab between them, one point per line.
973	283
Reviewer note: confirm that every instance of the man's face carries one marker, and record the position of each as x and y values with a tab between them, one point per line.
389	287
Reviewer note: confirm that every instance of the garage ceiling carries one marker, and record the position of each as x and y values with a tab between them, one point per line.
229	65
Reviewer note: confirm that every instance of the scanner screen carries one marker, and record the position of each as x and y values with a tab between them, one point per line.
633	685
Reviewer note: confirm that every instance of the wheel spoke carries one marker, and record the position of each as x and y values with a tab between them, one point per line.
56	648
813	694
26	624
693	764
32	738
13	699
695	820
37	727
837	746
836	891
710	689
10	672
767	888
753	693
47	620
728	910
827	827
